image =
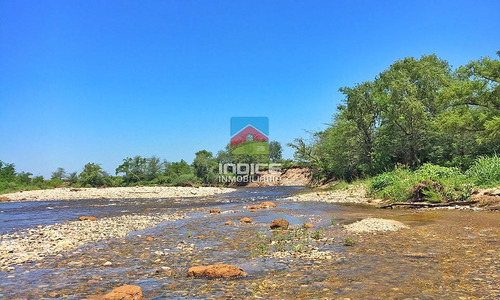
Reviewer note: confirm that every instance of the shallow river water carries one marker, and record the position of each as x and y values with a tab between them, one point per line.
445	254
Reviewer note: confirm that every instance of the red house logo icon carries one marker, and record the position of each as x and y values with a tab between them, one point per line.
248	134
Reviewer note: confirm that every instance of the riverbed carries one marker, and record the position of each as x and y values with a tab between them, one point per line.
442	254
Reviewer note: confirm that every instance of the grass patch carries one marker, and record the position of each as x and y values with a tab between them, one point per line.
295	239
432	183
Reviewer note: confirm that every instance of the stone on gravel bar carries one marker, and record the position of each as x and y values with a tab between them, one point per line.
279	224
87	218
125	292
216	271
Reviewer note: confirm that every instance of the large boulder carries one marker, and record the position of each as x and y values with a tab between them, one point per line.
216	271
279	224
125	292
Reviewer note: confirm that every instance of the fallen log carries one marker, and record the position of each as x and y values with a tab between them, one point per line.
425	204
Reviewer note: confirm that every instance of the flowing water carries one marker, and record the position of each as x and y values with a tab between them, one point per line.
445	254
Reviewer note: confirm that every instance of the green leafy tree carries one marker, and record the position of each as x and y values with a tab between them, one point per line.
275	151
407	95
59	174
93	175
7	172
205	166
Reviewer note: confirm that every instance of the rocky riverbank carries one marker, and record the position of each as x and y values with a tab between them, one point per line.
146	192
353	194
35	244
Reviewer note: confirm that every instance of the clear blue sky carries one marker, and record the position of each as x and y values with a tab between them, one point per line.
97	81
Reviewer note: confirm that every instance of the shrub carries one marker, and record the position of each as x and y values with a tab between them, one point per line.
185	180
430	183
485	171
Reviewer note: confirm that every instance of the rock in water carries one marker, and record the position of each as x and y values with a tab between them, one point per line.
267	204
246	220
279	224
308	225
216	271
87	218
125	292
215	211
228	223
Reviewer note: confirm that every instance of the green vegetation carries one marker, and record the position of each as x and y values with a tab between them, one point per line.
137	171
434	183
295	239
419	131
349	242
417	111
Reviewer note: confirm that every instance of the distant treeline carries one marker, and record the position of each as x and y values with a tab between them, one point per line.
418	111
137	171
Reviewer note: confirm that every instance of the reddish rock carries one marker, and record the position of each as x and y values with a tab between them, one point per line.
228	223
246	220
92	281
216	271
200	237
279	224
87	218
308	225
215	211
267	204
125	292
150	238
4	199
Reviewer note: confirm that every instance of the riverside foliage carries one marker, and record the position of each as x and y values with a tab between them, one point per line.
418	111
136	171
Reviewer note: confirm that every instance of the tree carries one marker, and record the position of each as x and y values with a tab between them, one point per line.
178	168
134	169
275	151
154	168
93	175
24	178
59	174
205	166
407	95
363	111
72	177
7	172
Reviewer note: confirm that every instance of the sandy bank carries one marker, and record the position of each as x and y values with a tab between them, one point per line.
355	194
115	193
375	224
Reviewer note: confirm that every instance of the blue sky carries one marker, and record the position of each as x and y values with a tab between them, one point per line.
97	81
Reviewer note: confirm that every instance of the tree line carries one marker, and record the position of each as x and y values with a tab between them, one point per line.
137	170
417	111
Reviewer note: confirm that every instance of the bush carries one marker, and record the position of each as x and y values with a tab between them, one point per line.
185	180
485	171
428	183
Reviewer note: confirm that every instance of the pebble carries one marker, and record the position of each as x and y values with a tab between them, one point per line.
36	243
